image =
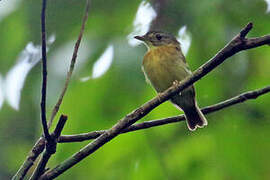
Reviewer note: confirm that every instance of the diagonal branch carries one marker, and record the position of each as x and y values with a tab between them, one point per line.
72	65
44	72
149	124
40	145
31	158
237	44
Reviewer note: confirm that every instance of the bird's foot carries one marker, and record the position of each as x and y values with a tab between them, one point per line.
159	96
175	82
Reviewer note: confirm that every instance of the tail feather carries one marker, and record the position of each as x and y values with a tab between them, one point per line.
195	118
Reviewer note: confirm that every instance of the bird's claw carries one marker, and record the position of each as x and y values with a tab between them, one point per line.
175	82
159	96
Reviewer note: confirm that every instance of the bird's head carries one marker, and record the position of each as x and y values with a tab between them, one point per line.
154	39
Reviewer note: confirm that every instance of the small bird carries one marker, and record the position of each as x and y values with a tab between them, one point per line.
163	65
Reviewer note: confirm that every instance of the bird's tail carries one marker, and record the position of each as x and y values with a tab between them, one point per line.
195	118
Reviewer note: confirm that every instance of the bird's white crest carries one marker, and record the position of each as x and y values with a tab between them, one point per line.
141	24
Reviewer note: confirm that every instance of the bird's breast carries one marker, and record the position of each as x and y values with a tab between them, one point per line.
163	65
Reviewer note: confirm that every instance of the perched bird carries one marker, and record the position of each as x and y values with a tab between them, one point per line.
164	64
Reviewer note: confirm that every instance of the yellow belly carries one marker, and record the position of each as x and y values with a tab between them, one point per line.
162	67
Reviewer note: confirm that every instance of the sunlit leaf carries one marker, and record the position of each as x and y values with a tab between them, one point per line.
1	92
268	6
7	7
16	76
62	56
104	62
185	39
141	24
84	79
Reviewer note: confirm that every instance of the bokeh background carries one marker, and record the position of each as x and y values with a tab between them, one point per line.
108	83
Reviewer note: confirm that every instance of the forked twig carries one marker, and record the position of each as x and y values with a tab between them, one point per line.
44	72
50	148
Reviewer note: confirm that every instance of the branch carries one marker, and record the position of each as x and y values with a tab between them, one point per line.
44	72
32	156
238	44
149	124
72	65
50	148
40	144
144	125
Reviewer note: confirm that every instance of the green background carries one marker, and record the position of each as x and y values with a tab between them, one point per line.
235	144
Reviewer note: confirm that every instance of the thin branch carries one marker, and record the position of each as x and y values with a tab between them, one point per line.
243	33
50	148
44	72
41	165
72	65
238	44
32	156
153	123
59	127
40	144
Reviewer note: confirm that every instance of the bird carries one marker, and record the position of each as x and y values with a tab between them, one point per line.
163	65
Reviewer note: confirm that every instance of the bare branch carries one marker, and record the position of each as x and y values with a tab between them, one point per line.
50	148
40	144
236	45
149	124
246	30
144	125
32	156
72	65
44	83
44	72
59	127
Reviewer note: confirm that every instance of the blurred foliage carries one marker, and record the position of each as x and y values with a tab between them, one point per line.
235	144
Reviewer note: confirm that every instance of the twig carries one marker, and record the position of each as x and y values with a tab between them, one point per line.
72	65
44	72
50	148
40	144
246	30
238	44
149	124
46	134
32	156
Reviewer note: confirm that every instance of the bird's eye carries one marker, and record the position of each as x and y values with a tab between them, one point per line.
158	36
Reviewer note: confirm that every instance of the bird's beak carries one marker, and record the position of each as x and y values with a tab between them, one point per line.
141	38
